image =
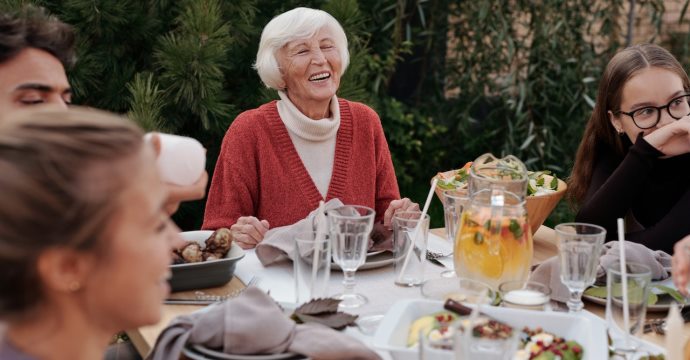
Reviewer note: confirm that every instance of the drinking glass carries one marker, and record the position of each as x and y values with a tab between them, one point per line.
473	347
461	342
639	278
528	295
410	234
312	266
349	228
466	291
579	249
454	202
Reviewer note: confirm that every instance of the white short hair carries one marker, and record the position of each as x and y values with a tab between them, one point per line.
296	24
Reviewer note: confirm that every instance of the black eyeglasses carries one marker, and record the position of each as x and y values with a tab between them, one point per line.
648	116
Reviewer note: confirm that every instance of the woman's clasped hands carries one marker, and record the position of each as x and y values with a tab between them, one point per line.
249	231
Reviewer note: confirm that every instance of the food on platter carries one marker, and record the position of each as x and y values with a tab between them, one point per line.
437	323
538	344
539	182
440	328
215	247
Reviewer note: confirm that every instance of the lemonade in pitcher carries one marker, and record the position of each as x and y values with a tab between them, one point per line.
493	257
494	241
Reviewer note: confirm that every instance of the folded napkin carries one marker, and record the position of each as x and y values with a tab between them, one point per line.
279	243
659	262
253	323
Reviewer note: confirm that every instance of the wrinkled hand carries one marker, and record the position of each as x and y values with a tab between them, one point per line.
672	139
403	204
681	265
178	194
248	231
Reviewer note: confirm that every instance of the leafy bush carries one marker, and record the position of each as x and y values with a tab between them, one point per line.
513	77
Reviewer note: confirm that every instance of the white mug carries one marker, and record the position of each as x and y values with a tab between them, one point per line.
181	160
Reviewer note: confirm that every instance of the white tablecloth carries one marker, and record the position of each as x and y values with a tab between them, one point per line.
377	284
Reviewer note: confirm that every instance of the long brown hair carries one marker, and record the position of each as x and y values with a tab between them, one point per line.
600	135
60	176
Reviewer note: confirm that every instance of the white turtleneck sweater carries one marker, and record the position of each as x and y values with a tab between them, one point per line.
314	140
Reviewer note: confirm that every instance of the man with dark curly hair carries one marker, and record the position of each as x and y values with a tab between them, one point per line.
35	50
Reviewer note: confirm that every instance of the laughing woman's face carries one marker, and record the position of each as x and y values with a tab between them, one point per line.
311	70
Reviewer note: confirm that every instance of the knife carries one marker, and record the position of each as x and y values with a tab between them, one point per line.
189	302
659	325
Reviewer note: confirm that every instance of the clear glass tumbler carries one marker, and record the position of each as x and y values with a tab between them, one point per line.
410	234
454	203
312	266
639	278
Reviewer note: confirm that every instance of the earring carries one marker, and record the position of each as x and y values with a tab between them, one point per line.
74	286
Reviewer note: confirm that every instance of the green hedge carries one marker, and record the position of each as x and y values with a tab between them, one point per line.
521	81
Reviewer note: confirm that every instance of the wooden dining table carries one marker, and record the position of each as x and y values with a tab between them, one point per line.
144	338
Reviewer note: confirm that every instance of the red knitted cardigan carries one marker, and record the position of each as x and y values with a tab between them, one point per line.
259	172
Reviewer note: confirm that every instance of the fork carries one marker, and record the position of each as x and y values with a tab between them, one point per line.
200	295
656	325
206	299
435	255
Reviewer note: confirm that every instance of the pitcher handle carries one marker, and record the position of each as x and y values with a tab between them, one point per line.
496	220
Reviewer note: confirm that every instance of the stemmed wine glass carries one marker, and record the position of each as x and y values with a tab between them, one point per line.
349	227
579	249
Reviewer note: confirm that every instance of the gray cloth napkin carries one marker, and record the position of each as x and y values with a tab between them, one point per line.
253	323
279	242
659	262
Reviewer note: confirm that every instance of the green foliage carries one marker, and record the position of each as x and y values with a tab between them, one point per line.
514	77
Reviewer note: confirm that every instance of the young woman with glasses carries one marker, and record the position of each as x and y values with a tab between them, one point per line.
634	158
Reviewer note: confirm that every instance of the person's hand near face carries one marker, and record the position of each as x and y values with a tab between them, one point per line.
681	265
403	204
177	193
672	139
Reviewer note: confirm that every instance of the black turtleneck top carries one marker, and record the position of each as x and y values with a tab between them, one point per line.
655	190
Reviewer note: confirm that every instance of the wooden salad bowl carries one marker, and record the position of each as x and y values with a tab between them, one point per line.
539	207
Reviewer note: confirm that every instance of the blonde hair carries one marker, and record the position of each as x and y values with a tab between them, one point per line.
298	23
50	194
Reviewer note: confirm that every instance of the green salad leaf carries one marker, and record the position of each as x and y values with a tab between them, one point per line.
672	292
601	293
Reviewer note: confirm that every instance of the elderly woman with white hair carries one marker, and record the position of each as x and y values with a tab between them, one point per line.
279	160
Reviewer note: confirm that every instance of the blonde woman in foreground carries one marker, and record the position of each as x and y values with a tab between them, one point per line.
84	237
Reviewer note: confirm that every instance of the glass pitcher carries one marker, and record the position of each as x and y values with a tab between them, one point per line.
494	241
